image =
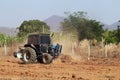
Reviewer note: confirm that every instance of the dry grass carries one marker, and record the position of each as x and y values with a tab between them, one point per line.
73	48
9	50
76	50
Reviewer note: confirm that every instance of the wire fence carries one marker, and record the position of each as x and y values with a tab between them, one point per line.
85	49
71	46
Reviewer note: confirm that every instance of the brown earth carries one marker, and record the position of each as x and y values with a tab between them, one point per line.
63	68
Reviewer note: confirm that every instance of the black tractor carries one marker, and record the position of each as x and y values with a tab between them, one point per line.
39	48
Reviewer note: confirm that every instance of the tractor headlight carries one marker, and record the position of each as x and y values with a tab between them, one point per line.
19	55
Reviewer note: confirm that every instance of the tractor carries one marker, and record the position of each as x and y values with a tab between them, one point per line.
39	48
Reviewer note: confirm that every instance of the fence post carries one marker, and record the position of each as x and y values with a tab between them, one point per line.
73	47
106	46
5	48
73	52
17	48
89	50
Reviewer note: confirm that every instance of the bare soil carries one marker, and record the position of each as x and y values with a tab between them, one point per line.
63	68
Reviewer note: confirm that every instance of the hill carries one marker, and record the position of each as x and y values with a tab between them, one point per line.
8	31
54	22
112	26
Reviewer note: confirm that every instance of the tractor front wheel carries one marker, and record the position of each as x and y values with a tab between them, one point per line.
47	58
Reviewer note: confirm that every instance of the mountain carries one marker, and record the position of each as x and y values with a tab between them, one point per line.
8	31
105	26
54	22
112	26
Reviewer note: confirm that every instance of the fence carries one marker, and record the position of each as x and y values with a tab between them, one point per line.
71	46
85	49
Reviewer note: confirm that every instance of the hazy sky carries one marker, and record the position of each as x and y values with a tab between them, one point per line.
14	12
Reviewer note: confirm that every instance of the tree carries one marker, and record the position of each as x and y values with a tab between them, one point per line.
33	26
2	39
79	23
118	33
110	36
71	23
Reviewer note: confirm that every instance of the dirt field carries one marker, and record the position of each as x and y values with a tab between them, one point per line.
63	68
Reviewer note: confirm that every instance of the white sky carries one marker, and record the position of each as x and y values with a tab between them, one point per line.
14	12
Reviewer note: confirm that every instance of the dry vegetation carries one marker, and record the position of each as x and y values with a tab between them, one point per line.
71	65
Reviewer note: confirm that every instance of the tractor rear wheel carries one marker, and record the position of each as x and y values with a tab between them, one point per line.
29	55
47	58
